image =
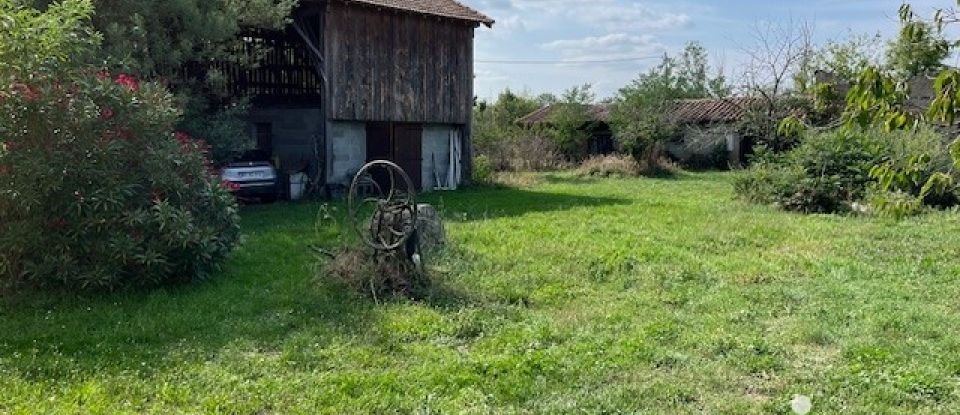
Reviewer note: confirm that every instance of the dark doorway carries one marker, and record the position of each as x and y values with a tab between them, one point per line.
265	137
399	143
379	141
408	150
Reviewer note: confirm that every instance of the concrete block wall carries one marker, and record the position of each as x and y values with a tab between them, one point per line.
346	150
294	133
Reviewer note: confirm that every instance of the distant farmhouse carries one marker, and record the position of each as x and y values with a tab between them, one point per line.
709	127
600	141
351	81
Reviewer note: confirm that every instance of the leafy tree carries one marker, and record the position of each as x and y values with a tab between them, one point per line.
154	39
821	101
495	127
497	121
547	99
693	78
919	49
878	99
844	60
641	111
570	123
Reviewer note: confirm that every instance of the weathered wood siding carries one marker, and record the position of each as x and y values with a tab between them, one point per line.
385	65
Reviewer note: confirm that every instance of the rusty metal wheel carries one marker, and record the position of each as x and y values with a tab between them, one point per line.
382	205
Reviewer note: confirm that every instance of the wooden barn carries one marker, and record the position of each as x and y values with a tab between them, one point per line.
351	81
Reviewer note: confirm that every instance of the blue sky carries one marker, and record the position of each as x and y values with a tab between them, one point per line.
551	30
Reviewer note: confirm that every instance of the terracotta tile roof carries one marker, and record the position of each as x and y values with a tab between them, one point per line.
444	8
598	112
712	110
688	111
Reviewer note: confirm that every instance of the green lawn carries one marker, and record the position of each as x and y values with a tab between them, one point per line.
640	295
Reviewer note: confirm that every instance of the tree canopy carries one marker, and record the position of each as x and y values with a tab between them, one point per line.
640	116
920	48
154	39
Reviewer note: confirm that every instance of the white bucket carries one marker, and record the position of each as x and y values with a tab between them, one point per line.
298	185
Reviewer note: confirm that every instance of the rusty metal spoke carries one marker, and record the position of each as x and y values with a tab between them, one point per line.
394	216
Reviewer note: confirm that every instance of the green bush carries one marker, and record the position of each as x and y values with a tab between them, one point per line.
918	167
824	174
97	191
482	170
828	171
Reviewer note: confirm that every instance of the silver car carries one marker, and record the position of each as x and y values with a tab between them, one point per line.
252	176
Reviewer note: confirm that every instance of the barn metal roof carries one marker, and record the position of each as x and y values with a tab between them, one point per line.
444	8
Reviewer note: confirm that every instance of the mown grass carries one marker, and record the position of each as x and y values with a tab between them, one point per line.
573	296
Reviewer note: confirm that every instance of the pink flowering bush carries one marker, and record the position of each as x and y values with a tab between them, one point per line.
97	190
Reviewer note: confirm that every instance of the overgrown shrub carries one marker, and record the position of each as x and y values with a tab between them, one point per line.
482	170
824	174
829	171
97	191
609	166
507	144
534	152
529	150
917	172
894	204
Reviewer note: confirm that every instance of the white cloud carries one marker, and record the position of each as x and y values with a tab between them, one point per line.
635	17
571	30
605	15
612	46
510	26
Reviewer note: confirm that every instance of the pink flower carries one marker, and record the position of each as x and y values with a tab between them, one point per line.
183	137
128	81
106	114
104	75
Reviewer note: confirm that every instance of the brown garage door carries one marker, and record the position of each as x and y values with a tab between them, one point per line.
399	143
408	151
